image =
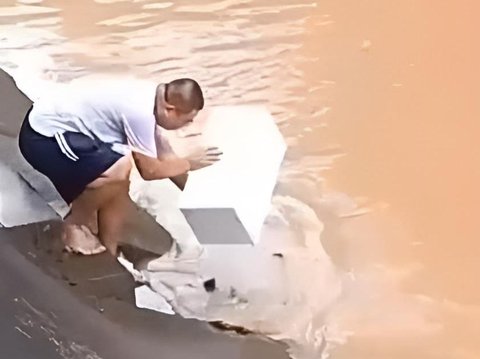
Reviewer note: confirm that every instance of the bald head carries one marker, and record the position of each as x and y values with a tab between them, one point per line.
185	94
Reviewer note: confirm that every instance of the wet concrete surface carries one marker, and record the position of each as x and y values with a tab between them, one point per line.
56	305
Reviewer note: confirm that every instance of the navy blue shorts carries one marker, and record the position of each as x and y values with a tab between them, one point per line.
70	172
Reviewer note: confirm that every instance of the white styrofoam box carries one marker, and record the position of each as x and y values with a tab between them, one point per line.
228	202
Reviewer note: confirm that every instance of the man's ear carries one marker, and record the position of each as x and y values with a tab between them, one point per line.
169	107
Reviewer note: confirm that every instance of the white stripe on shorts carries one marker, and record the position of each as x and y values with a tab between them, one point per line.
64	147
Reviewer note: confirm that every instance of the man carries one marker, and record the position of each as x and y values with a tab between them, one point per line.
84	139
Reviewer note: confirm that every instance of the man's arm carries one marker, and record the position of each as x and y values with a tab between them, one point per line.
180	180
168	165
154	169
165	153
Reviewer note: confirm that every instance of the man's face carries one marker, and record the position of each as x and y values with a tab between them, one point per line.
172	119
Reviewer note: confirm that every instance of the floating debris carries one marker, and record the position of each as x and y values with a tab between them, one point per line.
24	333
231	328
210	285
366	45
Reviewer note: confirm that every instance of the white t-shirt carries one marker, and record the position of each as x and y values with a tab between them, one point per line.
119	113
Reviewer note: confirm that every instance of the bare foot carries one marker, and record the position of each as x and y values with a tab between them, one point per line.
80	239
92	223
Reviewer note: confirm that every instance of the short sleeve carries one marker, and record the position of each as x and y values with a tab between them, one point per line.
139	128
164	149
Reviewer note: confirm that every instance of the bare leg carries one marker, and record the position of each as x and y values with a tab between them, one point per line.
119	172
84	210
112	217
81	225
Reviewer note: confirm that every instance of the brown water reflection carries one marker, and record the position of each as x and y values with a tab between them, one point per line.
406	116
404	111
390	86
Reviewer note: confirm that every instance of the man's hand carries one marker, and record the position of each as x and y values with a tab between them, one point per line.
203	157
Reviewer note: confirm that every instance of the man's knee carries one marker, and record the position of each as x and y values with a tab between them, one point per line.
106	181
106	193
117	173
